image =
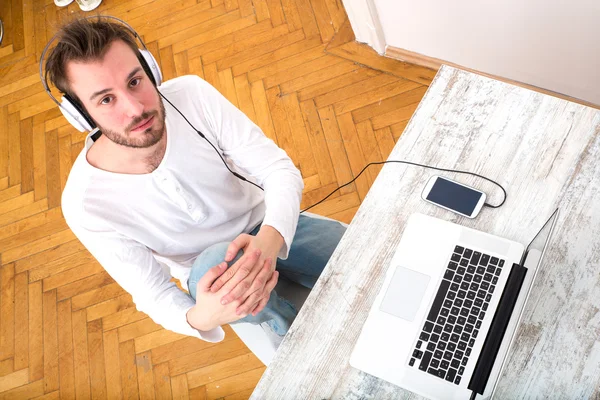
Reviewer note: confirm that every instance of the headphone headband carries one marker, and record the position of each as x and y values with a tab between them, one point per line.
77	116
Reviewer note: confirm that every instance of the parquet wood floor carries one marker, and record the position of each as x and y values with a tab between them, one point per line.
66	329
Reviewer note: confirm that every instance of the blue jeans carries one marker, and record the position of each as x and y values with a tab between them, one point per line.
312	246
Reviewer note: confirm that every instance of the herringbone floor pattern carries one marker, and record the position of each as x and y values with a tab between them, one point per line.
67	330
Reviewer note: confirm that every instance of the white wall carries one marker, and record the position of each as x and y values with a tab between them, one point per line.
552	44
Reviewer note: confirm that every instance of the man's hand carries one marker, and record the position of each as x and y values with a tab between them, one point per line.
208	313
246	280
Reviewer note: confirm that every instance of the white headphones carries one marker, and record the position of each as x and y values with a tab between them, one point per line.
76	115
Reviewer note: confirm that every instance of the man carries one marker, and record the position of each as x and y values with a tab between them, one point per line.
151	199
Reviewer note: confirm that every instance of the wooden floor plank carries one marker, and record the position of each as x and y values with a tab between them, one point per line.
186	346
4	143
96	296
262	49
111	361
182	65
29	391
261	108
286	63
225	43
309	22
281	123
318	143
39	163
389	104
80	355
26	147
23	210
39	245
53	267
51	377
304	154
276	12
284	52
100	310
210	355
395	116
83	285
179	387
336	148
14	380
128	370
46	258
14	149
355	154
234	384
66	366
7	194
292	16
244	97
36	333
162	380
145	374
150	340
52	169
324	21
222	370
336	83
21	359
167	63
23	237
308	67
372	95
365	55
243	40
96	356
137	329
184	39
7	316
315	77
157	14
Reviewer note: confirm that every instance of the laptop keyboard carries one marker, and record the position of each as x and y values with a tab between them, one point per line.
455	317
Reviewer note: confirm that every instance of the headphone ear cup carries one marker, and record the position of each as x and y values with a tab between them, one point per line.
152	66
74	115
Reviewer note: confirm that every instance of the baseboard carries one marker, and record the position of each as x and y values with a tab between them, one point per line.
436	63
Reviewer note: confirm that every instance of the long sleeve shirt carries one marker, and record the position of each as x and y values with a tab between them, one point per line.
146	228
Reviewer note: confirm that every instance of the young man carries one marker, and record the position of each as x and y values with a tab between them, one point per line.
151	199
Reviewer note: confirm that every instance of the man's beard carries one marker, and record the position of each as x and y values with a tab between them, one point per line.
150	137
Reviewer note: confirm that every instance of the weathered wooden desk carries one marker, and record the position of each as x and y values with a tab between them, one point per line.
546	153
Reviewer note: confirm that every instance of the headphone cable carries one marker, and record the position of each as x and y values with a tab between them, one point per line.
355	178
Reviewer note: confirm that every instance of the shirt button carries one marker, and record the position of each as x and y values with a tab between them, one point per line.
189	206
177	190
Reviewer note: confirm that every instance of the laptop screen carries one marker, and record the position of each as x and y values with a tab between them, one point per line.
540	241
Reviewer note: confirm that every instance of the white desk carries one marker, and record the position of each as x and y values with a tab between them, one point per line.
546	153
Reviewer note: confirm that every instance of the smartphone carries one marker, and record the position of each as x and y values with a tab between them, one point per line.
453	196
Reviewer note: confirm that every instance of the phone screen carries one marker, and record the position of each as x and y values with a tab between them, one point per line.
455	197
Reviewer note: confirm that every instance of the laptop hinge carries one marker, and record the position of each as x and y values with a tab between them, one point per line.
492	343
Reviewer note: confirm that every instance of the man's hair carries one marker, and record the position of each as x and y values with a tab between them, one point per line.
84	40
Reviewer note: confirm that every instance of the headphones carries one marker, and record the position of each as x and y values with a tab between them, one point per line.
71	108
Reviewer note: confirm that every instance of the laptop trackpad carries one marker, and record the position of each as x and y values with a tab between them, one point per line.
404	295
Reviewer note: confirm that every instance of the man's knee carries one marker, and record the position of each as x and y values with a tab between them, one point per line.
210	257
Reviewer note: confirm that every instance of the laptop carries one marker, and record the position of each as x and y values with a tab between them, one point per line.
449	308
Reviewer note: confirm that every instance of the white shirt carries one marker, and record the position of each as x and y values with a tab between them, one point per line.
146	228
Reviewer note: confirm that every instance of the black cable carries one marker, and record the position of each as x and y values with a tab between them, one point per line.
213	146
346	184
419	165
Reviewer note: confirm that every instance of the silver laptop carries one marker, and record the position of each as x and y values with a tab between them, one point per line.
449	308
